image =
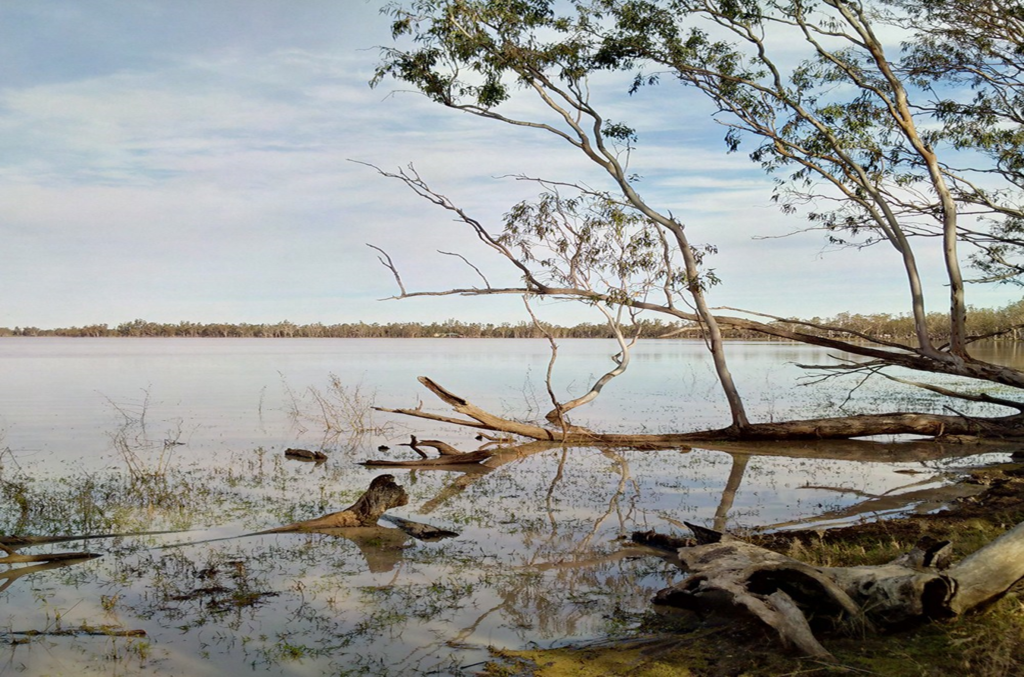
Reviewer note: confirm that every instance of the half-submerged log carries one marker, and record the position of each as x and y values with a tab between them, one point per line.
420	530
382	495
44	562
52	561
796	599
449	455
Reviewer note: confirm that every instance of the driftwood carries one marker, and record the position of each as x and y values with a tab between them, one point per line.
55	560
419	530
449	455
728	574
380	546
382	495
468	458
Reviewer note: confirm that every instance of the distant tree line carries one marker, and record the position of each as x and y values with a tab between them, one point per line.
1006	323
286	329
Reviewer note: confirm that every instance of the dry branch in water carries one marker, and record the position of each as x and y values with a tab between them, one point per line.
382	495
449	455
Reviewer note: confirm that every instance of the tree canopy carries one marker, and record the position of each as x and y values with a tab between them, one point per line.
887	123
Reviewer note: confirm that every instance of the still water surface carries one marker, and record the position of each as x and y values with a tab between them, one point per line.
119	435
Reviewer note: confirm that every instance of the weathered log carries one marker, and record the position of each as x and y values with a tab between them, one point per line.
989	572
449	455
419	530
49	557
468	458
730	575
442	448
383	494
54	561
9	543
784	593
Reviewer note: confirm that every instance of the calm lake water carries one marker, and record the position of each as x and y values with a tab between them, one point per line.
131	435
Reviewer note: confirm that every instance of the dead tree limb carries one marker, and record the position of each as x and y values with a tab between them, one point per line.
788	595
382	495
468	458
53	561
442	448
420	530
844	427
449	455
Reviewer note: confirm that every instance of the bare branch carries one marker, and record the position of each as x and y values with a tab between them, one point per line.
389	264
980	397
466	261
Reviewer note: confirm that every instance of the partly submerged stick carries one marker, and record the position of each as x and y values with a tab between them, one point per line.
382	495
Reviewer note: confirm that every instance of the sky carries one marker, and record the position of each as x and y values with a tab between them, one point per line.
193	160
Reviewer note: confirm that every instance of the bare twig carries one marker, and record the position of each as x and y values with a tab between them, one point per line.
466	261
389	264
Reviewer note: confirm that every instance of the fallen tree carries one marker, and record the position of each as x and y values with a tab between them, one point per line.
861	133
10	545
381	547
852	129
795	599
937	426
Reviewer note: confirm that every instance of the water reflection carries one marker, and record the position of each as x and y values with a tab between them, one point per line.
542	556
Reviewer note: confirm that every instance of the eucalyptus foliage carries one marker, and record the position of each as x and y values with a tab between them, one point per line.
882	122
846	125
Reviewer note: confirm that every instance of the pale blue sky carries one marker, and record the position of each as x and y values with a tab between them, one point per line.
188	160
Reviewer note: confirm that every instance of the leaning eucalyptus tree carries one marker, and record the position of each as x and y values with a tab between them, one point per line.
872	143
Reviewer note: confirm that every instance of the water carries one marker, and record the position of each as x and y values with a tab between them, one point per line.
118	435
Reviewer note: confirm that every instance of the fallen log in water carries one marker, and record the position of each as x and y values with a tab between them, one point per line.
467	458
449	455
797	600
52	561
382	495
419	530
